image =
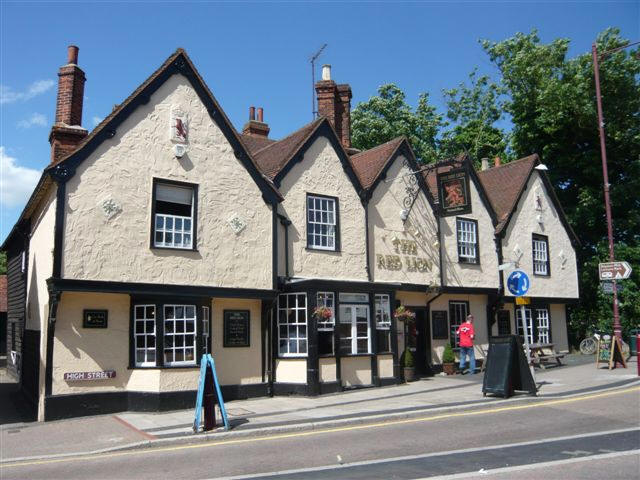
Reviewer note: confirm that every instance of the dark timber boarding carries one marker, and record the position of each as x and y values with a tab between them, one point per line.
16	299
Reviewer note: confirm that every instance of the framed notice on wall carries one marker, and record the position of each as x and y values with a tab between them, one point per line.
453	190
236	326
439	325
94	318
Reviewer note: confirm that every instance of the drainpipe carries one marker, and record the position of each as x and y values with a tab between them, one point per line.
364	199
285	222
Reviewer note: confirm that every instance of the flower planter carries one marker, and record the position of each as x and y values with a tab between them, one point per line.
409	374
449	368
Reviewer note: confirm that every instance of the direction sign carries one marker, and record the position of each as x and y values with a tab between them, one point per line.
614	270
607	286
518	283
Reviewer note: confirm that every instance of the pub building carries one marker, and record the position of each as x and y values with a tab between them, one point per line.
164	234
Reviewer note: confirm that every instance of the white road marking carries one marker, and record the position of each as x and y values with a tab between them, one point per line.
532	466
438	454
575	453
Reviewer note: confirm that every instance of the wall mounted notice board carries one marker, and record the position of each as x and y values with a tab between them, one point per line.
237	330
439	325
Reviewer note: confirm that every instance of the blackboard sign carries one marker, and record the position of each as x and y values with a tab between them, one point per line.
610	352
439	325
604	351
507	369
236	328
95	318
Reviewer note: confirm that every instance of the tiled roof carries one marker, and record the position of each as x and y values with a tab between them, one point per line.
272	158
255	143
503	185
370	163
3	293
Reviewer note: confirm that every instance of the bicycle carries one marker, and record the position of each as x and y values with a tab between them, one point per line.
589	345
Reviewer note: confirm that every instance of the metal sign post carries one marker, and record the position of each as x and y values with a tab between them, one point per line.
518	284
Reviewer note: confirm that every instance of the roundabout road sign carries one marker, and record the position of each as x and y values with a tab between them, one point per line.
518	283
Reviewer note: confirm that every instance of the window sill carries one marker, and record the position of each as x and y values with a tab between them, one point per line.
385	353
322	250
327	355
153	247
543	275
168	367
343	355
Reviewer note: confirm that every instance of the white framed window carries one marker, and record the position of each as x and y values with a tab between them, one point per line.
355	335
174	212
542	322
326	299
206	322
383	323
383	312
529	323
467	234
145	335
540	248
322	222
292	324
458	311
179	335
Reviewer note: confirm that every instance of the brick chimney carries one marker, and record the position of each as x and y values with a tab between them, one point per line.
67	131
496	162
256	128
334	102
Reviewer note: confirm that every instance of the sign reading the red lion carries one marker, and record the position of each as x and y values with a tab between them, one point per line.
453	191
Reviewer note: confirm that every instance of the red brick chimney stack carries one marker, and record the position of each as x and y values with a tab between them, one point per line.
496	162
334	102
67	131
256	128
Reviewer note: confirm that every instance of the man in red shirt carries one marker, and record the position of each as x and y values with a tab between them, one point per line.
466	334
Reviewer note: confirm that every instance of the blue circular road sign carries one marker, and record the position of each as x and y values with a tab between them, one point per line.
518	283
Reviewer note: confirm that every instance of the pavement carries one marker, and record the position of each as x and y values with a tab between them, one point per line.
20	440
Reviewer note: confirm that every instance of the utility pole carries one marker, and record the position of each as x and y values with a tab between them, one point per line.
617	328
314	57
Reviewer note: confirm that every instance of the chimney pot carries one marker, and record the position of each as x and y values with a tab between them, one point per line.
326	72
496	162
485	164
252	113
72	54
260	114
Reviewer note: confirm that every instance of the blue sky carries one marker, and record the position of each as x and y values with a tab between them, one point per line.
254	54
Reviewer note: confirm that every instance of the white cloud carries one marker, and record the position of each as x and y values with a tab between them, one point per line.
9	95
36	119
16	182
96	120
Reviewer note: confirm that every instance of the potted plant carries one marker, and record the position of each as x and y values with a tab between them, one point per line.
408	365
403	314
448	360
323	314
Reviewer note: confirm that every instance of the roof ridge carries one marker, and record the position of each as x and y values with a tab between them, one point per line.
288	136
513	162
372	149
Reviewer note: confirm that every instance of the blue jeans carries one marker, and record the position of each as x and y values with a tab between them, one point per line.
464	351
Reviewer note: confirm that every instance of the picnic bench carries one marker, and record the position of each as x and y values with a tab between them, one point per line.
544	354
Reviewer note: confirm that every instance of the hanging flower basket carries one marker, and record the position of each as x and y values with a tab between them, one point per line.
323	314
403	314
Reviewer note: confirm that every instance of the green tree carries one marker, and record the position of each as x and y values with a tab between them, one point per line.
387	115
551	101
474	110
3	263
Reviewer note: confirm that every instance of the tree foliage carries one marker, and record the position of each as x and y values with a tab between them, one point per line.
3	263
549	99
388	116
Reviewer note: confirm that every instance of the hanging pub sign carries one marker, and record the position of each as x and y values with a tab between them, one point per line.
95	318
453	191
236	328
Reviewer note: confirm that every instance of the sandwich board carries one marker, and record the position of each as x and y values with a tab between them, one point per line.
205	363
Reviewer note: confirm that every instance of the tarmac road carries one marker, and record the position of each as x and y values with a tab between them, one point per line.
561	438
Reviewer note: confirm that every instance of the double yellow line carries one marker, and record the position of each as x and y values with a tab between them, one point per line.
540	404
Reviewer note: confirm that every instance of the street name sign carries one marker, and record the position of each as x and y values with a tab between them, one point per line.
614	270
518	283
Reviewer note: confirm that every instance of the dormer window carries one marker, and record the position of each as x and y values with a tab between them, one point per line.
174	215
322	223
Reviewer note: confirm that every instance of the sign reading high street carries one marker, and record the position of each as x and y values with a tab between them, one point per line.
80	376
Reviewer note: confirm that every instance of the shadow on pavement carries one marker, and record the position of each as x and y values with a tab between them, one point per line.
14	408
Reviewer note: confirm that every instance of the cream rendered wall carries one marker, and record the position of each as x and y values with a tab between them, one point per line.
122	169
355	371
386	226
321	172
237	365
40	261
563	281
385	366
559	327
477	307
40	267
485	274
291	370
328	370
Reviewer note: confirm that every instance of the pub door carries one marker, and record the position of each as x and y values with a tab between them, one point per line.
420	337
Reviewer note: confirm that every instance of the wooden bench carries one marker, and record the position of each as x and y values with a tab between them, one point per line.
544	354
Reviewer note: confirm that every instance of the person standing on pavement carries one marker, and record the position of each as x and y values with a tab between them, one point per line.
466	334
